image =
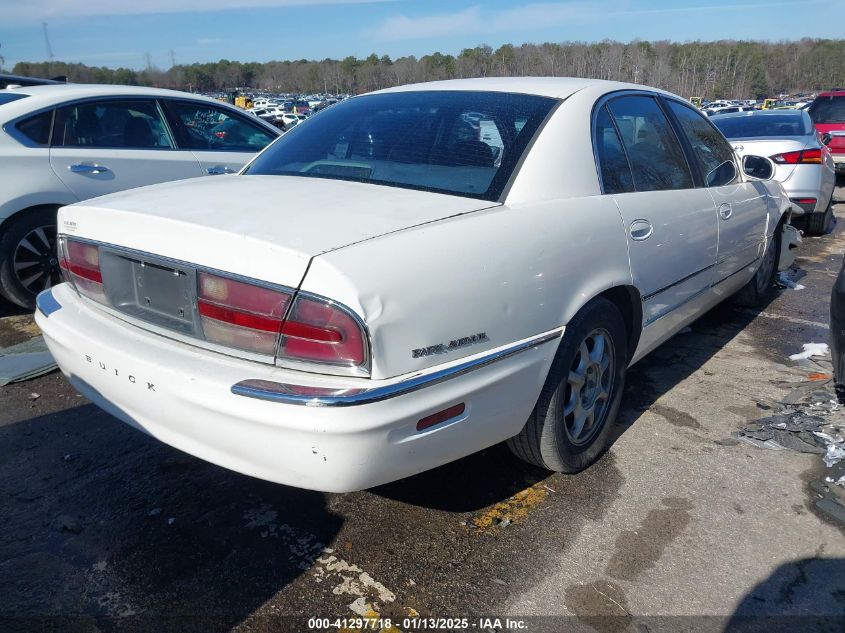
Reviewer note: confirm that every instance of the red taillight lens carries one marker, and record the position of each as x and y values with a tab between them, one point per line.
242	315
80	264
320	331
220	134
803	157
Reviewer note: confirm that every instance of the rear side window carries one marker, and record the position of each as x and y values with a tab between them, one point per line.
828	110
712	152
656	158
613	165
37	127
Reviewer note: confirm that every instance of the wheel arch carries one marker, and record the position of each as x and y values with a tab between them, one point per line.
628	301
30	209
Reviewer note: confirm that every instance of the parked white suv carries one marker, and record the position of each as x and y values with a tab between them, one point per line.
65	143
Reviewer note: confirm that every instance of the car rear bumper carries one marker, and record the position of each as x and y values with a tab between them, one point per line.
184	396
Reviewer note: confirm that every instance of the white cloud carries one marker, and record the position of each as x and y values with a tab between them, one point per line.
539	15
35	11
404	28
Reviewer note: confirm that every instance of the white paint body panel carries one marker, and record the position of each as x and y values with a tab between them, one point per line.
419	269
335	450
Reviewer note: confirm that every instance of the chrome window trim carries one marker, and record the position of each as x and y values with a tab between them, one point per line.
361	371
285	393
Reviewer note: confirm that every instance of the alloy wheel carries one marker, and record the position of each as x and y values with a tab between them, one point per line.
35	261
588	386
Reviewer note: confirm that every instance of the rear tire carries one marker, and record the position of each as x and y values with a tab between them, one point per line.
570	425
28	258
819	223
759	290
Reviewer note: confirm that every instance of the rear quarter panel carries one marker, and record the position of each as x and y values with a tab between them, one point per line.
509	272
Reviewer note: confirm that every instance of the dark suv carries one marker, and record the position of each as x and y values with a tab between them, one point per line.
828	114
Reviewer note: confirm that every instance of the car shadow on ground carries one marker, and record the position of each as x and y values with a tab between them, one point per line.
125	532
804	595
494	475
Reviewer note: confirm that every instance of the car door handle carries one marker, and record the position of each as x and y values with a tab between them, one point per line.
641	230
725	211
221	169
88	168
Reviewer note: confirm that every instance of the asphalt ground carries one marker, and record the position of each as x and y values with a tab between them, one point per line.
679	527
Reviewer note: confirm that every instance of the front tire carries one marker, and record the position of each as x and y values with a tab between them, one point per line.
570	425
28	258
759	290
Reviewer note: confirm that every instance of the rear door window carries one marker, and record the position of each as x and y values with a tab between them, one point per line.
713	154
111	124
654	152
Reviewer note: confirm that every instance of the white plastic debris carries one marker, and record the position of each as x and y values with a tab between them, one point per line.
835	452
786	281
811	349
685	330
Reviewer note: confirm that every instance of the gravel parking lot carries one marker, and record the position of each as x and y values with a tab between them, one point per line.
680	526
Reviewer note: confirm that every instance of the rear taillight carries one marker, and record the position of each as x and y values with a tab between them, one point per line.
254	318
320	331
802	157
80	264
242	315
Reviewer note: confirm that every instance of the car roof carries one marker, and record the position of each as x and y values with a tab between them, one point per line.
831	93
46	96
762	113
556	87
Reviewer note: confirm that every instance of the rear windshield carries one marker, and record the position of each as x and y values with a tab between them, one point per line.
462	143
828	110
8	97
764	125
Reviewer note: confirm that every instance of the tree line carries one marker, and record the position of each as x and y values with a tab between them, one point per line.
715	70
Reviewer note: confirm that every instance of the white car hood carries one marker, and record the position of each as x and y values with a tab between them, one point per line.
265	227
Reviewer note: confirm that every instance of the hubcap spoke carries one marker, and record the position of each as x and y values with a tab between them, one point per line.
598	349
589	386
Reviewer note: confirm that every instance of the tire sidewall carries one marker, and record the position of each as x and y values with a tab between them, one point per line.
558	451
13	232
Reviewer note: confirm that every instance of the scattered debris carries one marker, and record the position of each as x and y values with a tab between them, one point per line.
34	396
26	360
819	377
810	350
154	512
171	520
784	281
685	330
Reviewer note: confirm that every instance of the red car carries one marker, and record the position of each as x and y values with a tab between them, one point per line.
828	114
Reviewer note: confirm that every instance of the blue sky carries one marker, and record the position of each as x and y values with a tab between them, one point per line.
123	32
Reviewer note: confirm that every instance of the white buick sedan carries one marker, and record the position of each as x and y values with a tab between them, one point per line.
412	276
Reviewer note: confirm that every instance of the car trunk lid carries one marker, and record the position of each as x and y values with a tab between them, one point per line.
770	147
261	227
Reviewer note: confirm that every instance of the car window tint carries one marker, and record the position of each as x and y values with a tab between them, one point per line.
468	143
37	127
830	109
764	125
613	165
712	152
112	124
205	127
657	160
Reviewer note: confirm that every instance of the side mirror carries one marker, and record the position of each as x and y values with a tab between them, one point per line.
758	167
826	138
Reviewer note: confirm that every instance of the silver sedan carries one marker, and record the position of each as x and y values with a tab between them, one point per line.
805	167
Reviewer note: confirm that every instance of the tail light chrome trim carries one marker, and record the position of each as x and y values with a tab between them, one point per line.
286	393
